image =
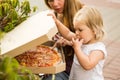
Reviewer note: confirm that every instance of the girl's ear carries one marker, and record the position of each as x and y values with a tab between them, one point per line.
94	31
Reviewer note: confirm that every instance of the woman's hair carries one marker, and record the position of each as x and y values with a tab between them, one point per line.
91	17
70	9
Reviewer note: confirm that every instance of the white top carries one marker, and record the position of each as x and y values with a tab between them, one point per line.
78	73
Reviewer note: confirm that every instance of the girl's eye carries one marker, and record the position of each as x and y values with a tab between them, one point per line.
80	30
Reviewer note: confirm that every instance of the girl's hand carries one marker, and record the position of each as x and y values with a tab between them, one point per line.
77	43
53	16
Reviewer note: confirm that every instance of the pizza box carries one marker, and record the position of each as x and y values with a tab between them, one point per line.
52	69
48	70
36	30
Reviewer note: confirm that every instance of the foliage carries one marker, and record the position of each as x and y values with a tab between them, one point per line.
10	70
13	12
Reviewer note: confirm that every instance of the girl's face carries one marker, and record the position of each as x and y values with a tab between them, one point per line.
82	31
57	5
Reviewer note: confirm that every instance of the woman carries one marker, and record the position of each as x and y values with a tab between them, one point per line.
64	11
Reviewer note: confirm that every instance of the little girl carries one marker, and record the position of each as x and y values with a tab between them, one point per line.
90	52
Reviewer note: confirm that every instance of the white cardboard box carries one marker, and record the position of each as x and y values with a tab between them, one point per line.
36	30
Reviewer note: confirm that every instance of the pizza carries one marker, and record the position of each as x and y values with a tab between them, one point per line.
41	56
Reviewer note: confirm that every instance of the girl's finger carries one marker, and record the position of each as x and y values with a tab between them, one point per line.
81	40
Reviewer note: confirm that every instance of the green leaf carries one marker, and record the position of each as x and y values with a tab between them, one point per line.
1	35
1	11
25	7
15	63
14	3
6	8
8	27
34	8
13	13
6	67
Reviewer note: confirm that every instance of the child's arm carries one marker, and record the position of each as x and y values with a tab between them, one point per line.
65	32
86	61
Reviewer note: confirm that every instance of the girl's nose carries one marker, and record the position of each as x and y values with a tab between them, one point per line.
76	32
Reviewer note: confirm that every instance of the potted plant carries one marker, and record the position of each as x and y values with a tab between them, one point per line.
11	70
12	13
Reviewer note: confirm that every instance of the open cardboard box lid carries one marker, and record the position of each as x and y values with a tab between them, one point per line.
36	30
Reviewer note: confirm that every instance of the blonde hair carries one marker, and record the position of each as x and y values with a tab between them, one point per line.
91	17
70	9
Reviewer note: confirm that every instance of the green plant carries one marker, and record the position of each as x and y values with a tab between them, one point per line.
11	70
13	12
